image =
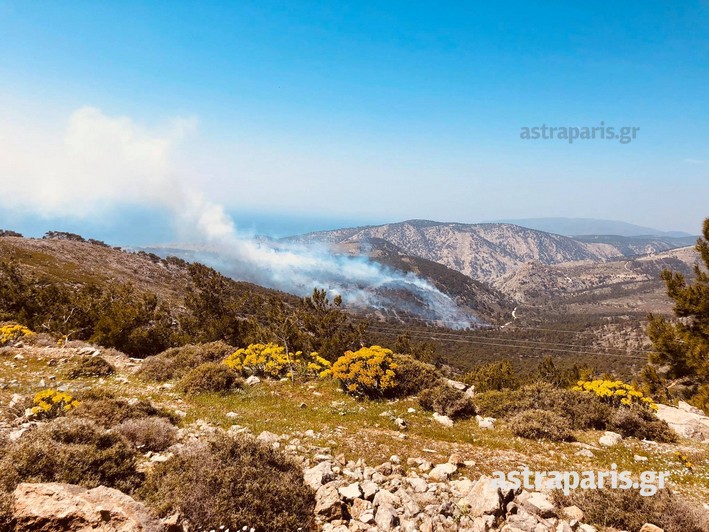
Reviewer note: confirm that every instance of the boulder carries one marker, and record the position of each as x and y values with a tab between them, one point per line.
649	527
537	503
460	386
386	497
485	422
268	437
351	491
573	512
359	507
327	502
522	521
318	475
386	517
369	489
418	485
689	408
610	439
685	421
252	381
54	506
443	420
483	499
442	471
408	503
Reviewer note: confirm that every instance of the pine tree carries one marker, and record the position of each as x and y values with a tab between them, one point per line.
683	344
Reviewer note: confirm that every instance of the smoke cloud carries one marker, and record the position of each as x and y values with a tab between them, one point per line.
97	161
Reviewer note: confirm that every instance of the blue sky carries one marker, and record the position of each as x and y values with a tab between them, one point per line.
324	113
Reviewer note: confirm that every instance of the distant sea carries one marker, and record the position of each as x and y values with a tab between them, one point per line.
133	226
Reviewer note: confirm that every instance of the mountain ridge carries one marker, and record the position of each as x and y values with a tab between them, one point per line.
488	251
590	226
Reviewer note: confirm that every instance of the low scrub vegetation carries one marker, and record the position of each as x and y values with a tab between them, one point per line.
413	376
174	363
90	366
615	393
210	377
581	409
274	361
74	451
541	425
107	410
447	401
367	372
640	423
628	510
49	404
148	433
13	332
232	483
494	376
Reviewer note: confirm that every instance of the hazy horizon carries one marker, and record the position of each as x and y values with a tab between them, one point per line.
325	114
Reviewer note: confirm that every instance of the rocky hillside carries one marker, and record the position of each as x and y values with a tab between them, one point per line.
342	464
489	251
480	299
77	261
639	245
536	283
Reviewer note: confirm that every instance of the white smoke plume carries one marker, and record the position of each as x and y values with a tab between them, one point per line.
99	161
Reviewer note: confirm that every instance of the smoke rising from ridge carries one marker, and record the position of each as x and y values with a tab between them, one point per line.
98	161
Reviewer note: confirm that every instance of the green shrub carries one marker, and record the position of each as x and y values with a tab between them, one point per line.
701	398
641	424
541	425
582	410
447	401
74	451
413	376
494	376
628	510
210	377
104	408
87	366
494	403
176	362
232	483
505	403
148	433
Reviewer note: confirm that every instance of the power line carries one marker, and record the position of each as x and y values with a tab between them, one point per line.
466	336
435	322
496	344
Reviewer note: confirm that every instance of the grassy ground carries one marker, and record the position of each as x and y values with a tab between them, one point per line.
363	429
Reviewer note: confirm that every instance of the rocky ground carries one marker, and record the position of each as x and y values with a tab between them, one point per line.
374	465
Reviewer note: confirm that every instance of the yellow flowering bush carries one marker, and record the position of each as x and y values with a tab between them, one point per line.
616	393
52	403
10	333
368	371
270	360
